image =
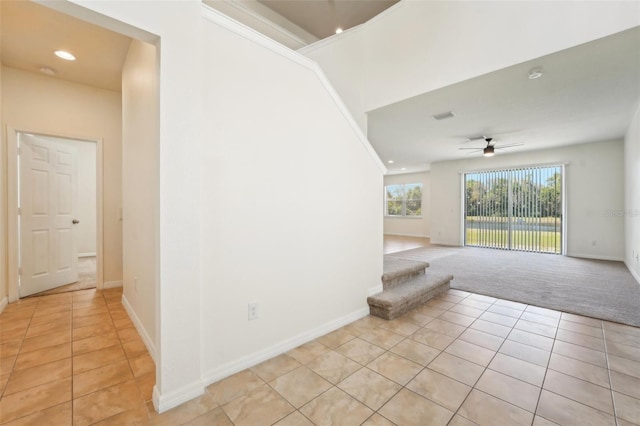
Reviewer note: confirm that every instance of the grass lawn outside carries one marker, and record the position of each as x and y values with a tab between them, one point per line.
527	240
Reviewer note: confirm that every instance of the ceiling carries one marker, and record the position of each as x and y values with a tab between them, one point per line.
31	33
322	17
587	93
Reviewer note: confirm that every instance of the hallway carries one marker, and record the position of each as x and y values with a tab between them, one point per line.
73	355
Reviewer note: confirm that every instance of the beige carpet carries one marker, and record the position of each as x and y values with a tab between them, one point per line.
86	278
595	288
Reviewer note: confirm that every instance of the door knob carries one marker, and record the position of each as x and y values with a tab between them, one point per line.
75	221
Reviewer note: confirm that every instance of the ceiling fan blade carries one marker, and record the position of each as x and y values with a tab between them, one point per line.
475	149
509	146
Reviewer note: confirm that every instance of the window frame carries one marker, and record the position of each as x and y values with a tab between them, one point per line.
403	201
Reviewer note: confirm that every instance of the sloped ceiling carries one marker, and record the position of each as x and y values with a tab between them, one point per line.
322	17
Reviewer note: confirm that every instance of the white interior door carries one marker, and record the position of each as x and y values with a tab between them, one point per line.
48	200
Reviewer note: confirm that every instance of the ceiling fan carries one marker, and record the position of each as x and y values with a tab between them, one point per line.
489	150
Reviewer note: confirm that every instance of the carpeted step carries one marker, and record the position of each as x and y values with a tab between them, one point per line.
398	270
393	302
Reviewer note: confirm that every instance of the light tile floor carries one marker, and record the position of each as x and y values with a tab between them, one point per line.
460	359
73	358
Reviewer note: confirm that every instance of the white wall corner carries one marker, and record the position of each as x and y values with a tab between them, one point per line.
375	289
141	330
3	304
337	37
634	274
186	393
255	358
272	23
112	284
252	35
348	116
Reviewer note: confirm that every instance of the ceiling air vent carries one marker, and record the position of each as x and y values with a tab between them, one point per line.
443	116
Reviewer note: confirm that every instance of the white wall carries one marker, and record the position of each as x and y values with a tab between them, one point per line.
140	127
420	46
594	181
177	26
42	104
411	226
258	132
632	196
291	207
345	63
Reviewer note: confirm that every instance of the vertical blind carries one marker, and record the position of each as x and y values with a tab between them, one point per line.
515	209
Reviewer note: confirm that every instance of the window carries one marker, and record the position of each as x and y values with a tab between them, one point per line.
404	199
515	209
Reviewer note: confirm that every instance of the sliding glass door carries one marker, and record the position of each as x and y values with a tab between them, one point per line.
515	209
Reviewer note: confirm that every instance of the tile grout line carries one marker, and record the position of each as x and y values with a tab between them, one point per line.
487	366
22	339
606	355
546	370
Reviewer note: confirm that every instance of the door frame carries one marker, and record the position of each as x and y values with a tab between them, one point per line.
12	204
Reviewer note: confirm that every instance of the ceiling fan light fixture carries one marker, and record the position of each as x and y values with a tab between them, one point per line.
488	151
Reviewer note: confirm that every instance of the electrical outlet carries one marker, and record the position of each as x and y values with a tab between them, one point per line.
594	242
253	311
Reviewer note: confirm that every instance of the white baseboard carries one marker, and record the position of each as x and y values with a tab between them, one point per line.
112	284
141	330
226	370
186	393
633	273
406	235
87	254
594	257
3	304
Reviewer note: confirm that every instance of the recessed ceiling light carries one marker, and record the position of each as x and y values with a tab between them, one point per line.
390	161
443	116
47	71
65	55
338	30
535	73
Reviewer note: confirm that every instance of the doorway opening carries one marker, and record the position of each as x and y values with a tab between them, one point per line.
515	209
57	214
